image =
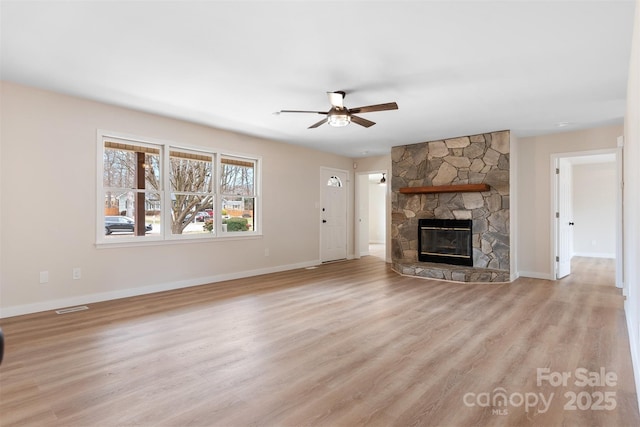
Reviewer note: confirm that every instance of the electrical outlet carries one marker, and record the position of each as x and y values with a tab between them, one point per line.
44	276
266	251
77	273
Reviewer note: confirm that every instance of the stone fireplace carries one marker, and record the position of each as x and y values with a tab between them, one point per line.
459	179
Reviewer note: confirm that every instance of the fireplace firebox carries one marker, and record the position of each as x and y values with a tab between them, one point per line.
445	241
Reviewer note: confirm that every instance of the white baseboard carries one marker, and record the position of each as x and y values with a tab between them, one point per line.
56	304
595	255
536	275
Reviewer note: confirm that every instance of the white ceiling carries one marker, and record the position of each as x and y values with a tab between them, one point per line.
454	68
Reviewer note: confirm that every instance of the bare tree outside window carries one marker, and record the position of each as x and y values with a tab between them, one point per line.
237	179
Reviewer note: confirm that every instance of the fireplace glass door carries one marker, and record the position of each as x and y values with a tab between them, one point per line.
445	241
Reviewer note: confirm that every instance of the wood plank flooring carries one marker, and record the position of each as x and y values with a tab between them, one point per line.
346	344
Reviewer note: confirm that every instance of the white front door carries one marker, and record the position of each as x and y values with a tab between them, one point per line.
333	215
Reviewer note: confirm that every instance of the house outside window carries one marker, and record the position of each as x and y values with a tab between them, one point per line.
166	192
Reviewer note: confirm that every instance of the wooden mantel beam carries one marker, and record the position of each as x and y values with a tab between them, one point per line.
460	188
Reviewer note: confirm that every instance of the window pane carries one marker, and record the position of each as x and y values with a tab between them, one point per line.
120	169
153	213
152	171
191	175
238	214
120	213
237	178
190	213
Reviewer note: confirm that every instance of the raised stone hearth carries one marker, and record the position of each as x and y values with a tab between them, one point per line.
455	273
474	159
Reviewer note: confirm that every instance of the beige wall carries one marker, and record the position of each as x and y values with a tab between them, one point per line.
374	163
534	191
377	212
48	219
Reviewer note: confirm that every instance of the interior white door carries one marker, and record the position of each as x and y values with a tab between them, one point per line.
564	218
333	230
363	214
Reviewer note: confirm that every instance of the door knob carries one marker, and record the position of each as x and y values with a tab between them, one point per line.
324	220
571	223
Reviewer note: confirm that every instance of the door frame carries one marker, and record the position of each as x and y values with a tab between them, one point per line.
358	214
555	158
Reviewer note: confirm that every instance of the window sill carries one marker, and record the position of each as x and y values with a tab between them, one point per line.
182	241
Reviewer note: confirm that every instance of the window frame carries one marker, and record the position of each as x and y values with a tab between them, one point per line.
166	236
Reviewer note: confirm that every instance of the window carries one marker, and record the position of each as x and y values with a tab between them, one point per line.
334	181
156	191
192	192
237	194
131	189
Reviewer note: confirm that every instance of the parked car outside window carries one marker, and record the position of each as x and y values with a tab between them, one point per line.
122	224
202	216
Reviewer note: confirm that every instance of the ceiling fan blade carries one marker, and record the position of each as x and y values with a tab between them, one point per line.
336	98
372	108
301	111
321	122
362	122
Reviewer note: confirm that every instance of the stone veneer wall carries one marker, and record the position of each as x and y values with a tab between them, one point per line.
474	159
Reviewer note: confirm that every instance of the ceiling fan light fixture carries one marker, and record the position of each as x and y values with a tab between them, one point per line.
339	119
340	116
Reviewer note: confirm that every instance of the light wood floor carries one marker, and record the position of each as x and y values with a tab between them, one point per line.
346	344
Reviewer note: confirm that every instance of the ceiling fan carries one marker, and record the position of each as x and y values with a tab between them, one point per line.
339	115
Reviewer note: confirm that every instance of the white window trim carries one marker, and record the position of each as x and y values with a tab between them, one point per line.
166	237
